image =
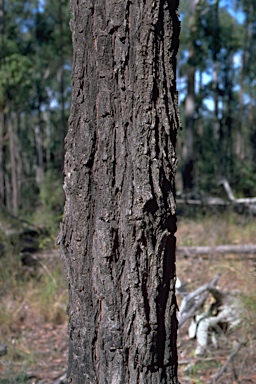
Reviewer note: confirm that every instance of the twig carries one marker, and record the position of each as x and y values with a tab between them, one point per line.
195	361
224	367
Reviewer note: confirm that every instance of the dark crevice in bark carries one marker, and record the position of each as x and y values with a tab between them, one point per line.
127	32
164	85
144	282
144	289
113	182
161	300
157	45
170	223
155	93
127	304
172	6
157	149
167	188
151	205
116	245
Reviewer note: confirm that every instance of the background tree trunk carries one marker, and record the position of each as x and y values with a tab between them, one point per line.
117	235
188	145
63	121
13	165
2	189
2	107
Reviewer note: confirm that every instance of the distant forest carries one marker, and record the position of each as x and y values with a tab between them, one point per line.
217	85
216	73
35	95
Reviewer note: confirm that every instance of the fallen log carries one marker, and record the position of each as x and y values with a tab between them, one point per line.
204	201
241	205
229	192
223	249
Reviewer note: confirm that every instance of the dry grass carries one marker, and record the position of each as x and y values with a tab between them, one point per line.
33	320
216	229
38	294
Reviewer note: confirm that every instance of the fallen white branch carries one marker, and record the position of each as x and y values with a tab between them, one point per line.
190	305
229	248
246	200
61	380
204	200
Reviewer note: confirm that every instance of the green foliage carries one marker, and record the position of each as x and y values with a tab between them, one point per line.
51	192
223	47
35	66
245	180
49	211
15	73
35	87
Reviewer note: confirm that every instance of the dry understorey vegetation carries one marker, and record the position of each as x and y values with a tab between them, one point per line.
234	359
33	322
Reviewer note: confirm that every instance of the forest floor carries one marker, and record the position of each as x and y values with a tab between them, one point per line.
33	324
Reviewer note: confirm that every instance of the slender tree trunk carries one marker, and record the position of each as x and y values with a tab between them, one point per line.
247	43
38	129
47	140
8	194
18	158
229	120
39	147
11	134
217	128
2	105
2	189
117	235
62	98
188	146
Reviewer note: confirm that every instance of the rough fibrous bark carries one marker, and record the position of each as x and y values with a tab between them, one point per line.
117	235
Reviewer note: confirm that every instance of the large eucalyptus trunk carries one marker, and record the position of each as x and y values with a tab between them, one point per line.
117	235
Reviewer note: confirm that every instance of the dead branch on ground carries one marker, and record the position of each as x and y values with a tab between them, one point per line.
224	367
190	305
222	249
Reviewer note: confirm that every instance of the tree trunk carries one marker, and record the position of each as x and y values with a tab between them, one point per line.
2	189
62	88
39	147
188	146
117	235
15	204
2	104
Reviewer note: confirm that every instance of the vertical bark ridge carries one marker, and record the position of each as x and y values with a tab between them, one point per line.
117	236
